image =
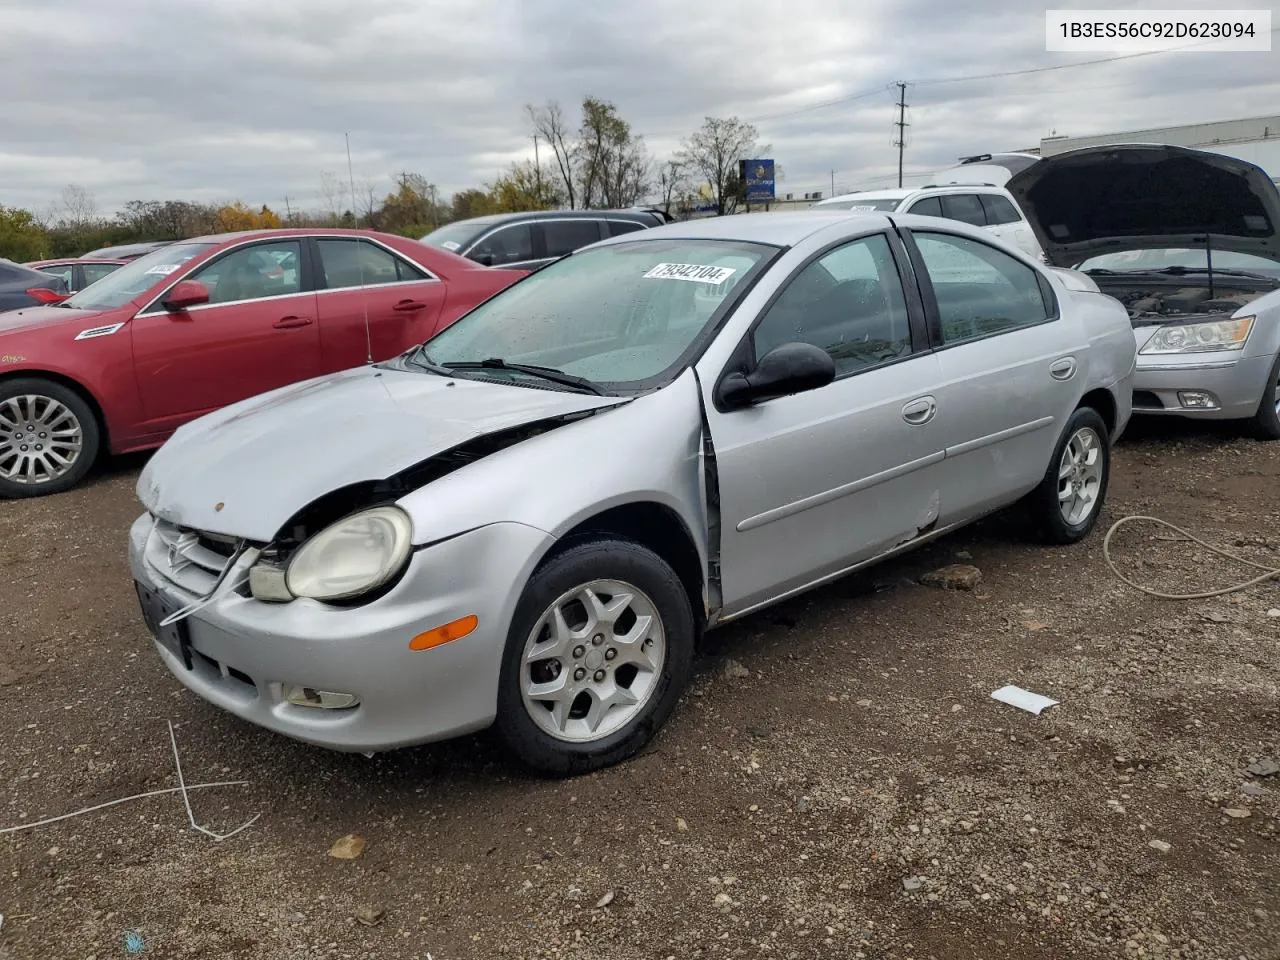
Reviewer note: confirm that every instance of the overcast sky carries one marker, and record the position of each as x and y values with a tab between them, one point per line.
216	100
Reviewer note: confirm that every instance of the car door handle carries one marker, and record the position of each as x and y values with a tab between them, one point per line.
406	306
1063	369
920	410
288	323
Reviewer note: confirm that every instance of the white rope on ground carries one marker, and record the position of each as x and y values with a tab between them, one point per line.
182	786
112	803
1269	573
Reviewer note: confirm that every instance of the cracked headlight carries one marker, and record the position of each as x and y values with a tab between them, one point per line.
1200	337
351	557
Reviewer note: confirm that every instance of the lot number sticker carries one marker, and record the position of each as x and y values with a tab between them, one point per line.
164	269
692	272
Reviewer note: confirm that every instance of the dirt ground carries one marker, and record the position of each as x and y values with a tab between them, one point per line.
837	783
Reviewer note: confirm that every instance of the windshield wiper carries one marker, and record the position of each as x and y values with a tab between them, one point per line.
533	370
1217	272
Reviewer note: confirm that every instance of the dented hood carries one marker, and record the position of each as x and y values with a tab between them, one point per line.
246	469
1147	196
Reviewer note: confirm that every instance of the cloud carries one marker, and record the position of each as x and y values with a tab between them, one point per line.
223	99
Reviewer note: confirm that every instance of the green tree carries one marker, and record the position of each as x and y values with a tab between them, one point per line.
471	203
413	209
525	187
613	166
22	238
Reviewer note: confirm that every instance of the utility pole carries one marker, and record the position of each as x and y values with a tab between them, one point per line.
901	124
833	183
288	211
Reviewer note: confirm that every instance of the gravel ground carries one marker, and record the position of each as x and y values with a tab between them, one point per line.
837	783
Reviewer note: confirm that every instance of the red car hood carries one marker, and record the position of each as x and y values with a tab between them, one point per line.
28	317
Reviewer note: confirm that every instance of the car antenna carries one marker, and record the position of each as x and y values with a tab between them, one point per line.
364	294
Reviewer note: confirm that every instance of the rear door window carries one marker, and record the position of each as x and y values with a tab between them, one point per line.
505	245
965	207
999	209
96	271
566	236
619	227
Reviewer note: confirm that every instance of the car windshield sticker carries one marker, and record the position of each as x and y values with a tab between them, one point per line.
164	269
862	209
451	245
692	272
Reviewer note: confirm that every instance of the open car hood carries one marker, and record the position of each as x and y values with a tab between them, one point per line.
1098	200
246	469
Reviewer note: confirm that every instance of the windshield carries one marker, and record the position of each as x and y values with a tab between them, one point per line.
455	236
138	276
861	204
1138	261
624	316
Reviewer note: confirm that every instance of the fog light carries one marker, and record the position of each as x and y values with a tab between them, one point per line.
1197	399
324	699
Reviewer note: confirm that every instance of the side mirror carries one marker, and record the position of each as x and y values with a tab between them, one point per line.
786	369
484	259
186	293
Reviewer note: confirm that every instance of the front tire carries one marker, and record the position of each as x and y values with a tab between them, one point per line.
598	653
49	438
1265	424
1066	505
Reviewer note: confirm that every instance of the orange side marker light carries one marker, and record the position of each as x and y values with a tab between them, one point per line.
438	636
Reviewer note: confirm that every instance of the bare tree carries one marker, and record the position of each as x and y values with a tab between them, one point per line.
549	124
713	152
673	183
78	209
332	192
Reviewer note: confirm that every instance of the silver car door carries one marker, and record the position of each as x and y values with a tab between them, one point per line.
1011	366
812	483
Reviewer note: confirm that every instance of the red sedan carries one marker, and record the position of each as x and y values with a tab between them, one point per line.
202	323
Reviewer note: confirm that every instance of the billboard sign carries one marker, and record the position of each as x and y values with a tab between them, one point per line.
757	175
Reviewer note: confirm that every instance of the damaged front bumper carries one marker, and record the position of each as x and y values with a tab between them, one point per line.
246	655
1203	385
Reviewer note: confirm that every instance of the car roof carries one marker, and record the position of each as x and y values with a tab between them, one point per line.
59	261
289	232
896	193
489	219
779	229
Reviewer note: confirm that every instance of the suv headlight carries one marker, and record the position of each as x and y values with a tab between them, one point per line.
1200	337
351	557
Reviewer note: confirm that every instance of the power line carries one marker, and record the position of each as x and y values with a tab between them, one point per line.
825	103
936	81
1067	66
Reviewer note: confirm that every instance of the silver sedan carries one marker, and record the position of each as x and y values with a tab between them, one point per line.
529	521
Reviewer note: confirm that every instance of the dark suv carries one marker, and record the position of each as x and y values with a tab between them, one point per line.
531	240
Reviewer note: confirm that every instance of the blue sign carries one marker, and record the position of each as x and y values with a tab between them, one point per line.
758	177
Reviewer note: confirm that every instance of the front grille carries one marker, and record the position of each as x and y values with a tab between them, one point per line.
191	560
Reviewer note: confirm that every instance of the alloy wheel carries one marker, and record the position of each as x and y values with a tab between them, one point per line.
40	439
592	661
1080	476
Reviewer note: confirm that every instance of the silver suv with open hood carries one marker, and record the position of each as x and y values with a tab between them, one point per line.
1187	241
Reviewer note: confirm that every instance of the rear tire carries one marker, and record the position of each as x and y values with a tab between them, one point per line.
1066	505
598	653
49	438
1265	424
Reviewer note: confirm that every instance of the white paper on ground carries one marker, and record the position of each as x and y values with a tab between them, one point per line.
1023	699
